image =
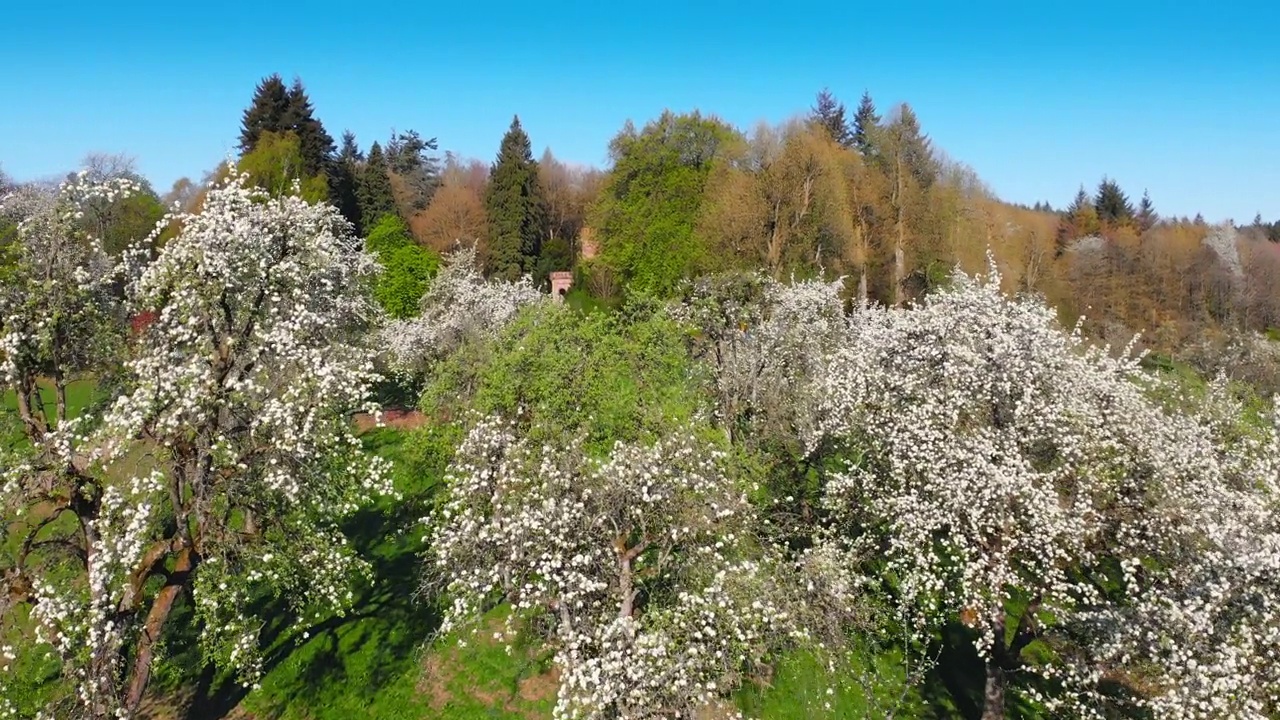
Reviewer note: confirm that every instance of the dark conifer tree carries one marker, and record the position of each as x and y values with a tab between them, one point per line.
1112	204
865	122
829	113
515	207
374	194
345	185
268	112
1146	216
316	144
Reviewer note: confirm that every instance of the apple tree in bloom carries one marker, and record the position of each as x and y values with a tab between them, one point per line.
643	561
1023	483
459	305
764	341
224	465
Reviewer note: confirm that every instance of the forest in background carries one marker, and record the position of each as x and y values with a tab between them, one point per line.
862	194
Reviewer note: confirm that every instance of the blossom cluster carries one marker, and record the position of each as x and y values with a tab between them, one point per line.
642	560
459	304
228	455
1008	464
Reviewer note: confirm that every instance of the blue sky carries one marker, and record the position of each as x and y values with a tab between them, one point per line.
1180	98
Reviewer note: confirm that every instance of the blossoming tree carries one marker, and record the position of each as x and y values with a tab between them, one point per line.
459	304
226	462
1024	484
643	561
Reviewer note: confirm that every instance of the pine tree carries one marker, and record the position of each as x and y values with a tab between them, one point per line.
1147	216
268	112
1113	206
515	207
374	193
1199	219
344	189
317	145
830	115
865	122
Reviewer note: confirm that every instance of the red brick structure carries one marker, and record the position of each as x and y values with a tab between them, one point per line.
561	281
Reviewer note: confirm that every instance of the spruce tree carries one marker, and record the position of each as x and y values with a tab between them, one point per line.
515	207
915	147
1147	216
865	122
375	196
1112	204
829	114
268	112
345	186
317	145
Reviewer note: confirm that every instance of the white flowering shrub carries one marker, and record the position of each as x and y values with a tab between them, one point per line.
643	561
459	304
765	342
1023	483
227	463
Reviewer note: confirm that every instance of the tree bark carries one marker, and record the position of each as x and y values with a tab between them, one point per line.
993	695
140	676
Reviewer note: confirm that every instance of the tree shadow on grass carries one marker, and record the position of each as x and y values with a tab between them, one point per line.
350	663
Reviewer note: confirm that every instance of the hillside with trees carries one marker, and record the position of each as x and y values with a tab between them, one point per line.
823	429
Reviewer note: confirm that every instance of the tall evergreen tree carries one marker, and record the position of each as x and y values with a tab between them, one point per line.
316	144
267	112
914	146
515	207
375	196
345	186
829	113
1147	216
1112	204
865	122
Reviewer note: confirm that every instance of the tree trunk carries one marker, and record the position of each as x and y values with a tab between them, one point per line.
140	676
993	695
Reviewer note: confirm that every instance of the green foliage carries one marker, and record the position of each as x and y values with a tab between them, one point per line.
276	162
407	267
515	207
648	208
374	194
611	376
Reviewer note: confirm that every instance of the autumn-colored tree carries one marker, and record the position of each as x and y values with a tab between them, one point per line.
786	208
454	217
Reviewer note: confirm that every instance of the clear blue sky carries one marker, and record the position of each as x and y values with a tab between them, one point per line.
1181	98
